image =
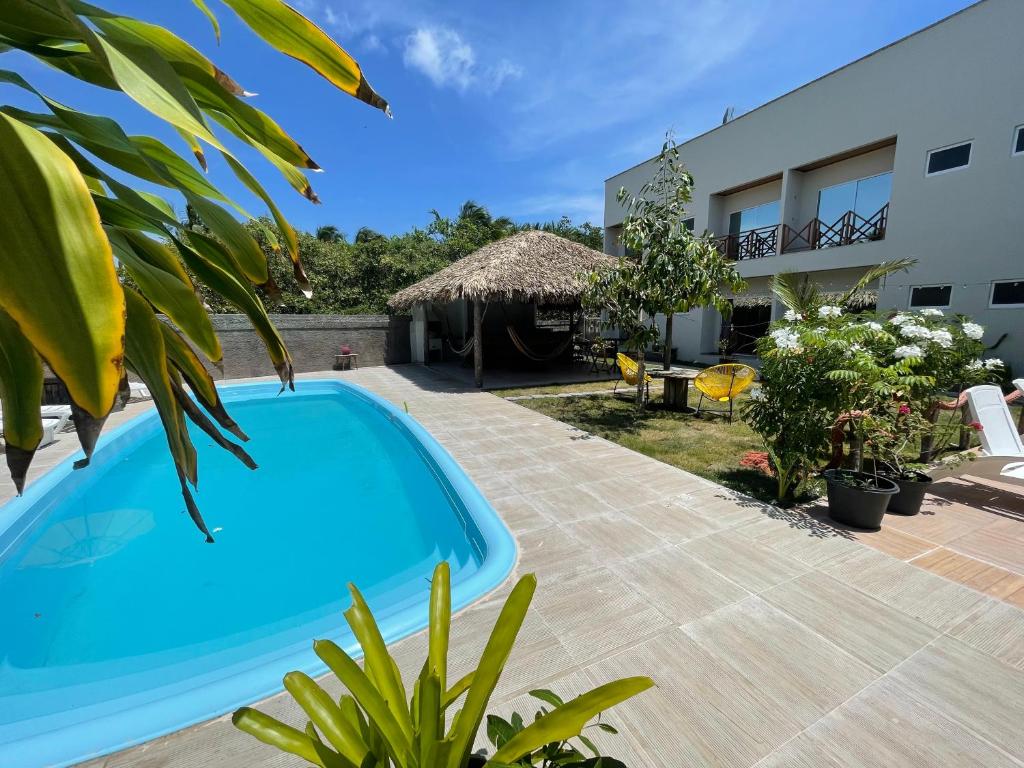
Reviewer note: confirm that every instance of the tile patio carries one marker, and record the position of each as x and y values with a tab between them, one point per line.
775	638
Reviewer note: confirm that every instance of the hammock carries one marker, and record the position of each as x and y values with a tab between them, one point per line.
530	354
467	348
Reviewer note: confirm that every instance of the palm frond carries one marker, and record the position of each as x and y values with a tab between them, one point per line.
884	269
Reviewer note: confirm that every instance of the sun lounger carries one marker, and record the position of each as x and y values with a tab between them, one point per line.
1002	452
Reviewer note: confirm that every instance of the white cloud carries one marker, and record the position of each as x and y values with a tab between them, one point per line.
449	61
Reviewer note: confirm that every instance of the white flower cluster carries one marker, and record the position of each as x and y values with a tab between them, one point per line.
975	365
784	338
900	319
931	312
993	363
973	331
757	394
908	350
914	331
942	337
792	316
873	326
829	311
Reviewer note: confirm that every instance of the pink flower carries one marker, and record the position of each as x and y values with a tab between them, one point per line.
976	426
904	409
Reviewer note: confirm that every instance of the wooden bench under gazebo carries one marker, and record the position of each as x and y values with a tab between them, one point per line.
519	296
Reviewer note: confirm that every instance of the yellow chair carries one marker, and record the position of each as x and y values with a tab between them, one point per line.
630	371
722	383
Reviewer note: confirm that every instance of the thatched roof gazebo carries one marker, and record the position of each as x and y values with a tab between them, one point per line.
527	267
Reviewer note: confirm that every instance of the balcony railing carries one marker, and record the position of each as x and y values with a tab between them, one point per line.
851	227
752	244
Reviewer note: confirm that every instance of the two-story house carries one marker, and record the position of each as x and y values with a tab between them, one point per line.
916	151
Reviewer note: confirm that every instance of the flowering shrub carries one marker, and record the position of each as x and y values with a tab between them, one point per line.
879	380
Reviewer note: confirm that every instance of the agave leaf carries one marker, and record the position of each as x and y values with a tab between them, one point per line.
569	719
290	238
440	622
275	733
181	356
202	421
195	147
296	178
430	716
327	716
459	688
293	34
152	83
21	389
396	734
57	277
377	661
492	663
241	246
146	356
166	286
202	6
207	260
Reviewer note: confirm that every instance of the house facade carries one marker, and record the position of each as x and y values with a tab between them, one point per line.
914	151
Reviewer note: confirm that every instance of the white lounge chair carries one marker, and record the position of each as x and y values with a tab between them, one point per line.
138	390
1002	451
55	418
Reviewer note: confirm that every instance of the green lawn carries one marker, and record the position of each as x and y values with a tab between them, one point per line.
708	446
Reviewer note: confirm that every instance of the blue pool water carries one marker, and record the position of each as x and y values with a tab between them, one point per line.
118	623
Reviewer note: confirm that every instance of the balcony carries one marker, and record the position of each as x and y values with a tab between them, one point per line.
849	228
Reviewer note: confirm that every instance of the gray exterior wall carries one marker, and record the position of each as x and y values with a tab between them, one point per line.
958	80
312	340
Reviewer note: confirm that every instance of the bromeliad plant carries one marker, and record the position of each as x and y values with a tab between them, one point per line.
378	724
73	203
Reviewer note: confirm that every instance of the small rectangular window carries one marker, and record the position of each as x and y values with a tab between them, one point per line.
948	159
1008	293
930	295
1018	140
688	224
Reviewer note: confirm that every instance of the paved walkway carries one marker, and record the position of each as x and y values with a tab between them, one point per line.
774	640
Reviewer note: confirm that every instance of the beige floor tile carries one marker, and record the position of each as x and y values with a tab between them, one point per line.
703	712
595	613
615	537
552	554
884	727
679	586
672	522
990	579
804	673
997	629
569	503
800	537
1000	543
751	565
876	634
520	514
971	688
536	479
931	599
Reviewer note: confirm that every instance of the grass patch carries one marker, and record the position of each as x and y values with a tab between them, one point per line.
709	446
562	389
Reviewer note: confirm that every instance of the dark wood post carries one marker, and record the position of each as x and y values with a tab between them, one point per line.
478	344
667	351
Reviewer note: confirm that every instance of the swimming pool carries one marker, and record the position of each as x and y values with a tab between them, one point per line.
119	623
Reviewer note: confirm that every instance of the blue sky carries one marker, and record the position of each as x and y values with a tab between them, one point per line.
524	107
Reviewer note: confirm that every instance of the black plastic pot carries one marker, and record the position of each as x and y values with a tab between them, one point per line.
911	494
858	506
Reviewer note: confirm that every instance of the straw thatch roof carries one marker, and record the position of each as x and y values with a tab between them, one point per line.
528	266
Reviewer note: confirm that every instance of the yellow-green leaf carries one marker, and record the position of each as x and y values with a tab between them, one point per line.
21	388
57	277
293	34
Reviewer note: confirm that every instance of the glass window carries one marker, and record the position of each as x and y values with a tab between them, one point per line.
765	215
863	196
688	224
1008	293
1018	144
930	295
949	159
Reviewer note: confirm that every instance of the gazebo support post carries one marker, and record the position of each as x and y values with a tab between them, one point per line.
478	344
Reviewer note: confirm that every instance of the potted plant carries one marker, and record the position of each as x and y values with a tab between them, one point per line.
894	432
858	499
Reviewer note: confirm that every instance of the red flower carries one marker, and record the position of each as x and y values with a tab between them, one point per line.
757	460
976	426
904	409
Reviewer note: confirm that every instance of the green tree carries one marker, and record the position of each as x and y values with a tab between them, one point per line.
66	219
329	234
